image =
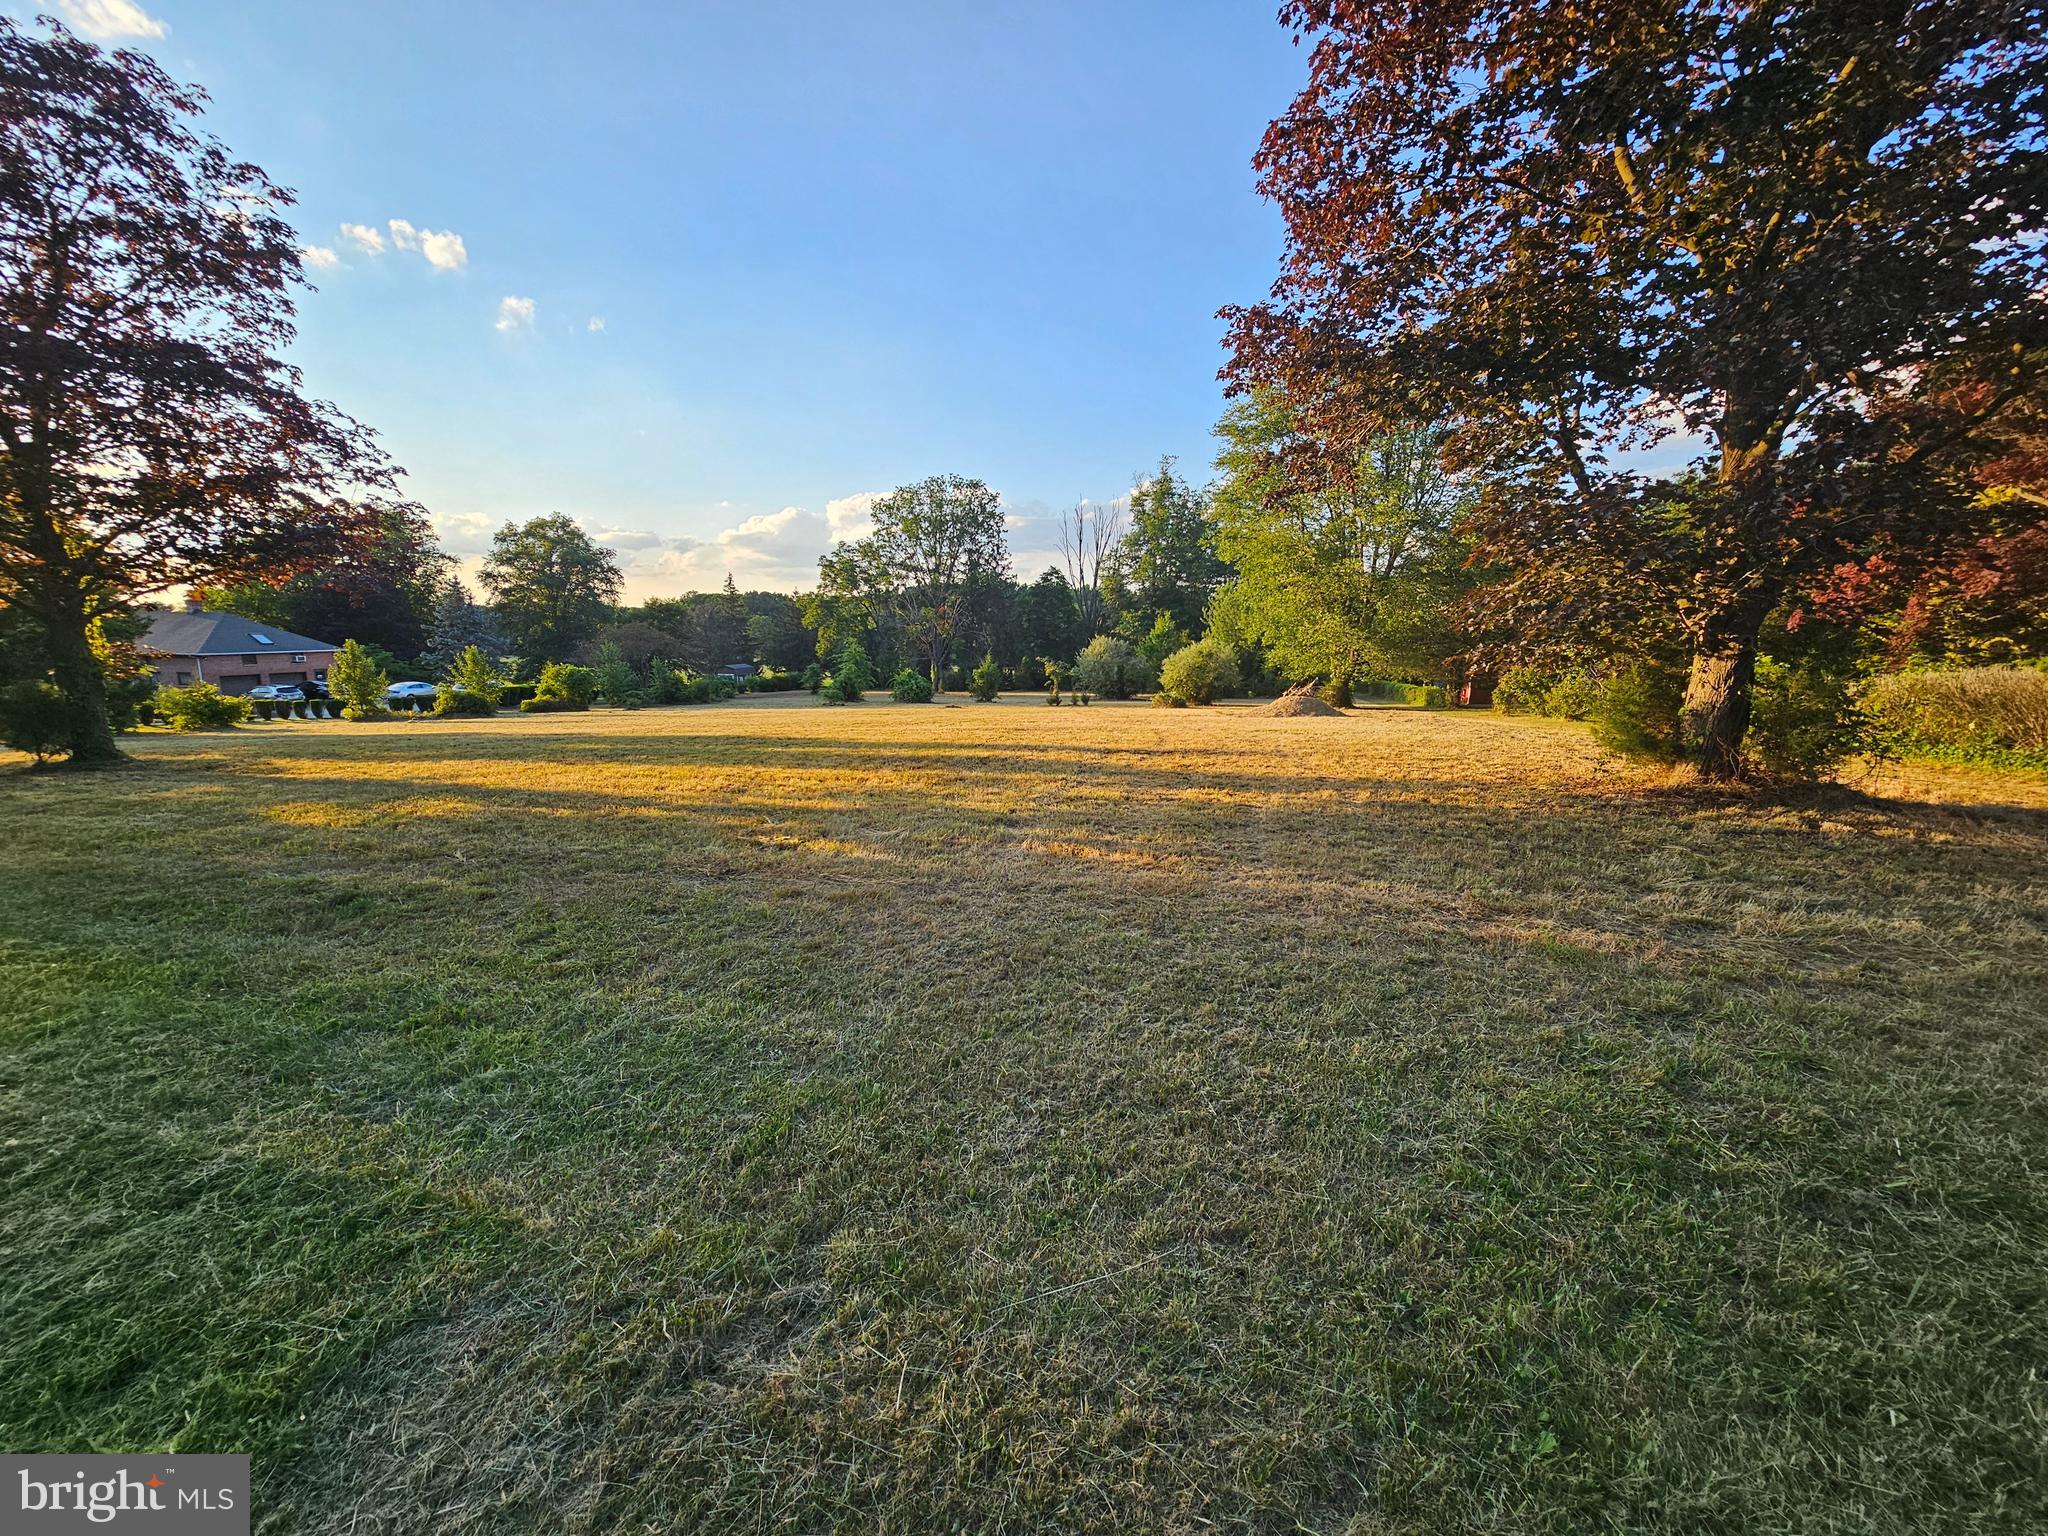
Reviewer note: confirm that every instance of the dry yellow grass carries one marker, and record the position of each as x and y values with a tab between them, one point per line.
771	1116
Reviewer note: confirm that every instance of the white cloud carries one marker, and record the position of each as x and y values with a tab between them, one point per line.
403	235
444	250
596	323
319	256
515	314
108	19
852	517
367	238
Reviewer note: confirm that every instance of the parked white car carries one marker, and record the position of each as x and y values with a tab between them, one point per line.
278	693
411	693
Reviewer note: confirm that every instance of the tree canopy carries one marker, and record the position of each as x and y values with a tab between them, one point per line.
1567	229
554	585
1345	574
151	433
1169	563
932	543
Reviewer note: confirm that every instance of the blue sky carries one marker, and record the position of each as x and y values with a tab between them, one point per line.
832	247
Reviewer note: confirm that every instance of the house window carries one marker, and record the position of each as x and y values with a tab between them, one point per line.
184	679
301	656
248	661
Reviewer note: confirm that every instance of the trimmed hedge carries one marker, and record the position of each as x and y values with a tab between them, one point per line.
1418	695
552	707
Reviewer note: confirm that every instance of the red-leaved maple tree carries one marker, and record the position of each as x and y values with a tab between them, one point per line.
150	434
1785	234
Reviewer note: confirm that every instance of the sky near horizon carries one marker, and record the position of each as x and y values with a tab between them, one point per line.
709	275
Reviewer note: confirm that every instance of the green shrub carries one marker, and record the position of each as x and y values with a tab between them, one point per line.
32	719
1161	641
910	687
460	701
1803	720
1521	691
263	708
1988	714
813	678
561	683
1574	696
986	680
665	682
775	682
719	687
1169	701
614	679
512	695
1336	693
551	707
1200	673
473	672
852	675
1416	695
1637	715
1111	666
201	707
358	683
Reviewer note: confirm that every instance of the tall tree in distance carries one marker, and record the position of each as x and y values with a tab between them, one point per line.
1169	558
150	432
554	585
931	541
1091	540
460	622
1567	228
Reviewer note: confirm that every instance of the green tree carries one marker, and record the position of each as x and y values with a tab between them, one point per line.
930	542
1048	618
1342	573
473	672
553	583
151	432
1563	229
460	623
357	682
1169	563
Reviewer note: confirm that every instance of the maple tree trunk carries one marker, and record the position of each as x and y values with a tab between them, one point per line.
1715	716
77	673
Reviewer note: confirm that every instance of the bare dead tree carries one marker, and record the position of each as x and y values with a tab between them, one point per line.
1091	533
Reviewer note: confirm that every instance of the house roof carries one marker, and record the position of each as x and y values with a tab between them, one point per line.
222	634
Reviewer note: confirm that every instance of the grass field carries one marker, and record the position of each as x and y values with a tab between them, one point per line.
999	1119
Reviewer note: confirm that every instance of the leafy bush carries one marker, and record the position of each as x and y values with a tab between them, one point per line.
1637	715
201	707
1161	641
551	707
1987	713
665	682
512	695
1200	673
1418	695
775	682
1169	701
561	683
1111	666
910	687
1803	718
613	678
1575	696
986	680
263	707
460	701
813	678
1336	693
357	682
719	687
473	672
852	674
32	719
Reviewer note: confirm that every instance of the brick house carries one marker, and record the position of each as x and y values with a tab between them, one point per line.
231	652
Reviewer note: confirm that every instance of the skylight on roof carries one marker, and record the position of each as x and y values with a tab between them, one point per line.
261	639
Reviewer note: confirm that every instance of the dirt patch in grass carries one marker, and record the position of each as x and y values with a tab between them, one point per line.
1031	1120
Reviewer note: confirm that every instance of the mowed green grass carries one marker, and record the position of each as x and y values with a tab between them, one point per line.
1000	1119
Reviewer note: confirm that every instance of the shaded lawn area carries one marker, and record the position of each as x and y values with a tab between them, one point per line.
1004	1119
